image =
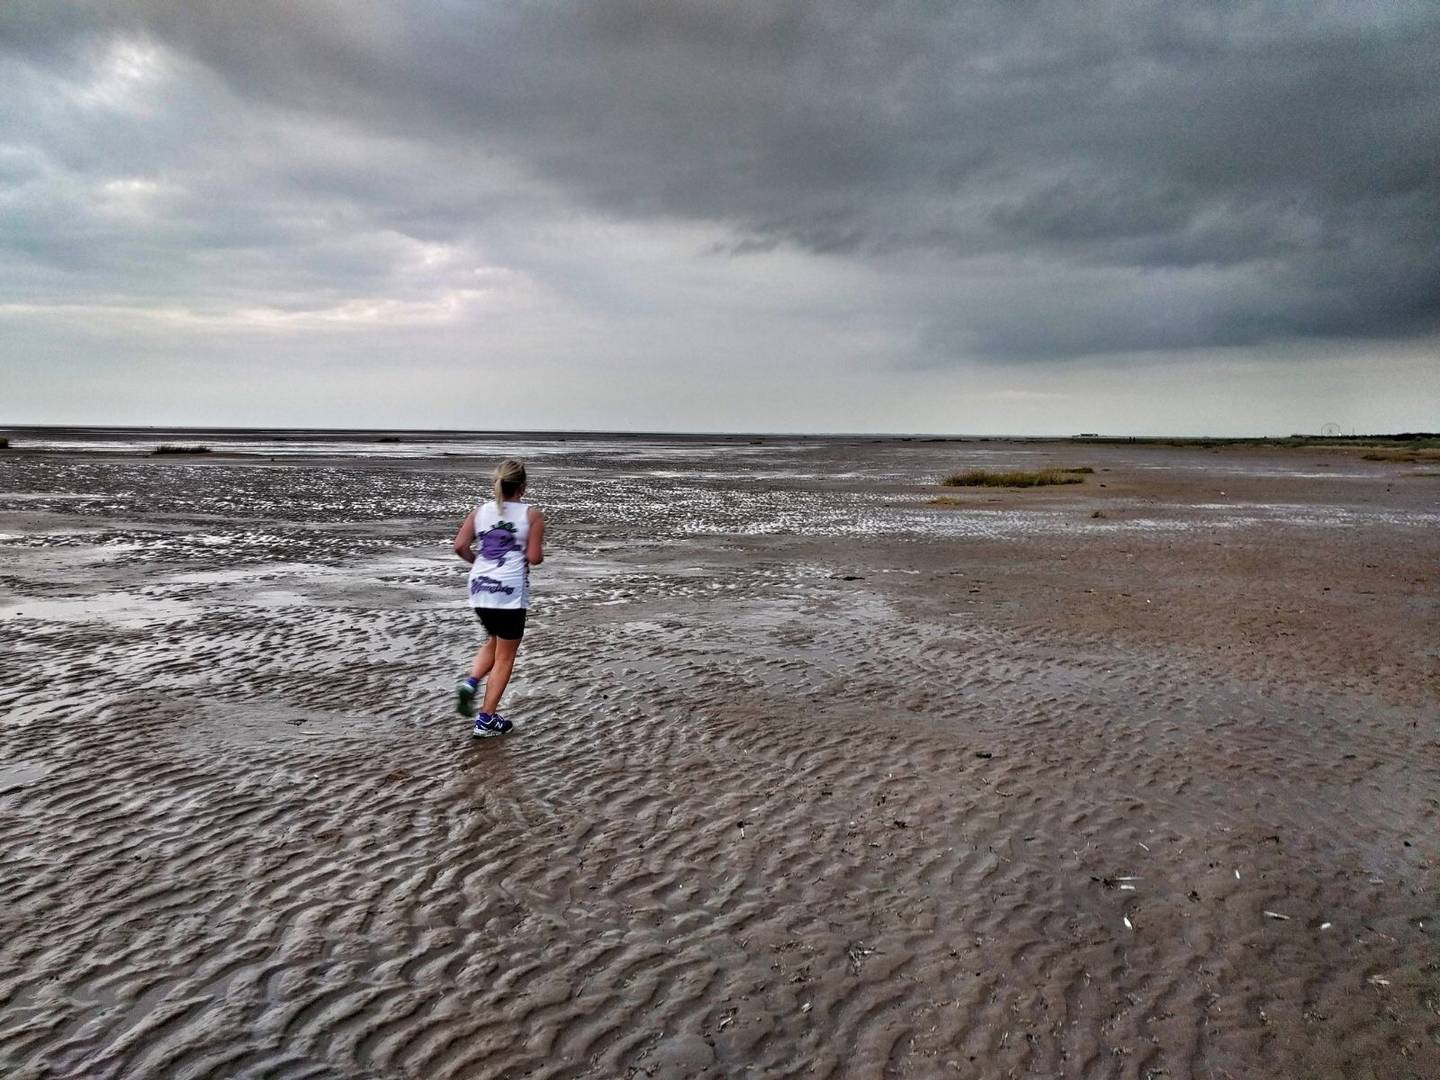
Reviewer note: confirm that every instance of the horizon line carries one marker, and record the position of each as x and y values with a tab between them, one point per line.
673	433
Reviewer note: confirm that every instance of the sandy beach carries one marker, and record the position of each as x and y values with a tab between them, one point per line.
1133	778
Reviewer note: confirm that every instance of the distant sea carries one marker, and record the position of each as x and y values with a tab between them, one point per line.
381	442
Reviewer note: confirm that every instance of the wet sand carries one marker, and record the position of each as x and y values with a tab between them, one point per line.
809	778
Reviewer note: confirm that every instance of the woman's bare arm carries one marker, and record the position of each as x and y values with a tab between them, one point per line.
534	544
465	538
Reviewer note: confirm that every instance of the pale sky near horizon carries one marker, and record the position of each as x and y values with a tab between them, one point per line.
645	215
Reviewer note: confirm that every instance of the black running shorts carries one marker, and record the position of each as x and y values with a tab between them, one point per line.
507	623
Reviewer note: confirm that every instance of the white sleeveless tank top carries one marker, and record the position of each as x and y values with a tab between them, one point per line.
500	575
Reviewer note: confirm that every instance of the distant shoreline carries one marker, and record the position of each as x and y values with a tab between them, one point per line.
401	435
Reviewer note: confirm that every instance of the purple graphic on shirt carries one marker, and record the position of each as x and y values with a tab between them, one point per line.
498	542
483	584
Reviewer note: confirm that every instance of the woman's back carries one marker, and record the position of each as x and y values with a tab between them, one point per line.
499	577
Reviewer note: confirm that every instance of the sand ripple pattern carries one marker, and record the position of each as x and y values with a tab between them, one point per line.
756	820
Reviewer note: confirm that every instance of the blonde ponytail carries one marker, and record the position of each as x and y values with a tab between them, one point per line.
509	479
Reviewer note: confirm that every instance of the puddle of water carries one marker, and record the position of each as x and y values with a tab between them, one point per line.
38	496
1319	514
118	608
14	777
278	598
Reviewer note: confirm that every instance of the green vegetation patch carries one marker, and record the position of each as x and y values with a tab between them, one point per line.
1422	454
174	448
1015	479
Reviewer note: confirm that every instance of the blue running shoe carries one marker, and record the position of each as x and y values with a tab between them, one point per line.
465	698
487	724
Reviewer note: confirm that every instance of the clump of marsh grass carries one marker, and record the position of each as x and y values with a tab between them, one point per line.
1016	478
1422	454
4	443
175	448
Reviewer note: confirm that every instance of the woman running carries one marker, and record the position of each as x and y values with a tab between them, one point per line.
501	539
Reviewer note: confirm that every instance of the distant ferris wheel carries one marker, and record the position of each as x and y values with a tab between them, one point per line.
1330	431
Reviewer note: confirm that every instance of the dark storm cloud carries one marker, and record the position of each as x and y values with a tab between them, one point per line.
1086	178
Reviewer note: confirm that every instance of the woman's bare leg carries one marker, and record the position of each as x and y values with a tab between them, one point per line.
484	660
503	663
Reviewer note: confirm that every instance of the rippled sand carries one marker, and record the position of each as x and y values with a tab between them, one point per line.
809	778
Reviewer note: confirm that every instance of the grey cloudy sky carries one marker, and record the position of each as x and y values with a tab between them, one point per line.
1009	217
